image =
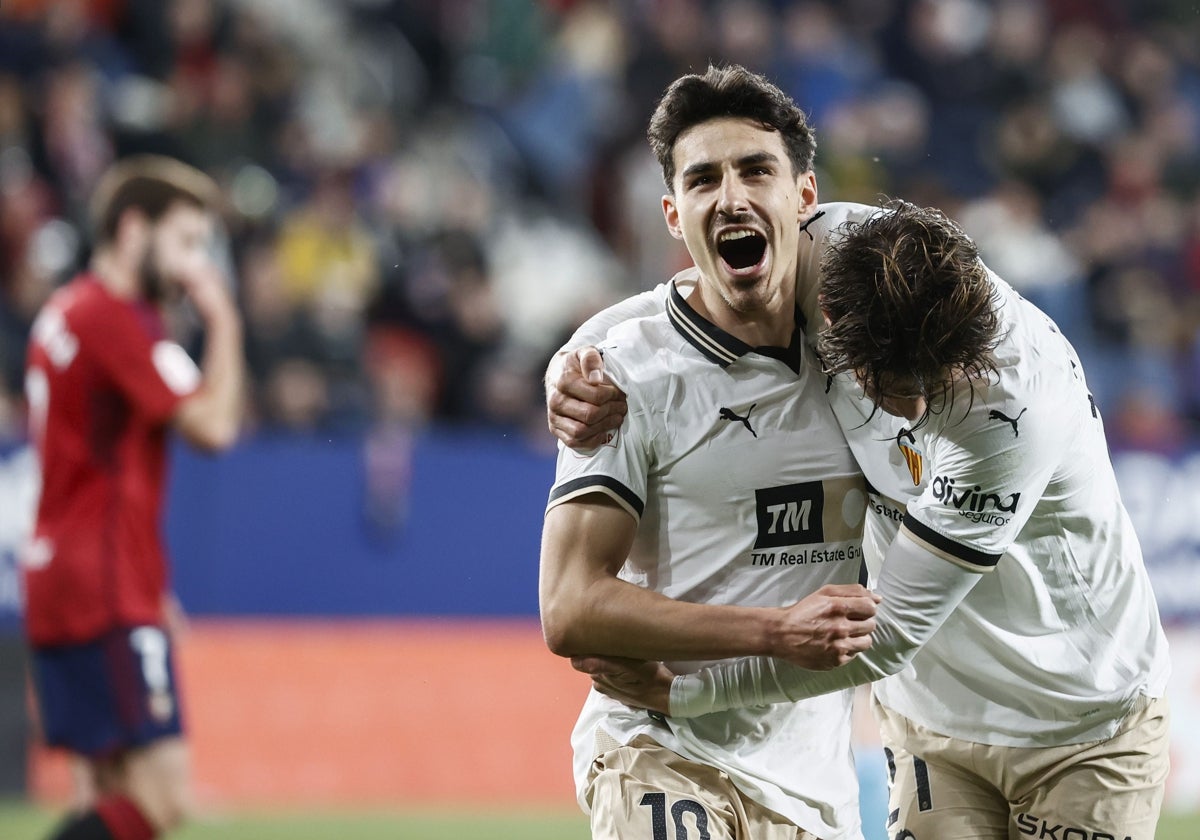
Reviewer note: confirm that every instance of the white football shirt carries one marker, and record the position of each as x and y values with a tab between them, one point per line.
1062	632
745	493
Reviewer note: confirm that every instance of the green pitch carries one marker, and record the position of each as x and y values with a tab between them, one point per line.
21	822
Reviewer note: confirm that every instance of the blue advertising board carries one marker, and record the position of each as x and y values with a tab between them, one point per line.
294	526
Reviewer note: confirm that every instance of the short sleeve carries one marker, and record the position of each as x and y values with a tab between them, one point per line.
651	302
618	468
988	474
153	373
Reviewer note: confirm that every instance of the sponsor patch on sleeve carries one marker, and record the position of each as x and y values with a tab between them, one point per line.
176	368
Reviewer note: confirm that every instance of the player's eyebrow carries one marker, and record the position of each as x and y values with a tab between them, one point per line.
704	166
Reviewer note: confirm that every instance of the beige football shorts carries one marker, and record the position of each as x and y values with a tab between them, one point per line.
943	787
643	791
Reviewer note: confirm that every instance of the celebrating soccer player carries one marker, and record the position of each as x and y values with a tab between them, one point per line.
1020	659
729	494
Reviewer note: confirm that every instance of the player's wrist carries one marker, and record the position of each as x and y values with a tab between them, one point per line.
222	316
774	633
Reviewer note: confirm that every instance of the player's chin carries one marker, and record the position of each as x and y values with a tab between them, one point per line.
742	274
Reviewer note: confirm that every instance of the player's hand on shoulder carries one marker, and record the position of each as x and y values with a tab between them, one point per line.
582	405
643	685
828	628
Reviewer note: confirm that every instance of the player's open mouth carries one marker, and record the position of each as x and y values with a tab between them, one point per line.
743	251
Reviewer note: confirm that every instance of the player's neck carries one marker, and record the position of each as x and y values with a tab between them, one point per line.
120	280
769	325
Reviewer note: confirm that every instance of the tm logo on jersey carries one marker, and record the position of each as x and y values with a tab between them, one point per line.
790	515
974	502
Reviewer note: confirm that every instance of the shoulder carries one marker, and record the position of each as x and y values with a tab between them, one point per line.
638	354
87	304
837	214
1001	420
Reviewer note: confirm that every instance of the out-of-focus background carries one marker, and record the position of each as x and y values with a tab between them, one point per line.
422	200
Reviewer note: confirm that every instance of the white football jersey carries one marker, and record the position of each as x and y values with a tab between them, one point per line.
744	492
1062	634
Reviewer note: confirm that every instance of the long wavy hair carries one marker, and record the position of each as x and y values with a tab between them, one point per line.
910	304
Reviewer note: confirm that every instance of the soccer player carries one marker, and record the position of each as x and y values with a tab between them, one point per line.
727	497
1019	653
104	386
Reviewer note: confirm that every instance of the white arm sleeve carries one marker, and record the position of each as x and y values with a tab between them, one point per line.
919	590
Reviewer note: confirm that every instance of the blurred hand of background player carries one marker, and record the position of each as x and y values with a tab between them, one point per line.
643	685
205	286
582	406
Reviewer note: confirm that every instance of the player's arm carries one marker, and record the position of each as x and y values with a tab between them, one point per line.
581	405
587	610
209	418
934	562
919	590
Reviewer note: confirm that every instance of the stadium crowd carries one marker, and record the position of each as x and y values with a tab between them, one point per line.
424	198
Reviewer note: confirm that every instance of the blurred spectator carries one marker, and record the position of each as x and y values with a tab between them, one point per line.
404	370
474	174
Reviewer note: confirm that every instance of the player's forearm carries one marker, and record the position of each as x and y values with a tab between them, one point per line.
919	592
615	618
212	416
587	610
761	681
611	617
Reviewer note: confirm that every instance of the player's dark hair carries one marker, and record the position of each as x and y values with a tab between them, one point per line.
731	91
909	301
151	184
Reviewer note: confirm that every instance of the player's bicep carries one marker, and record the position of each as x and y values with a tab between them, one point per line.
585	541
986	482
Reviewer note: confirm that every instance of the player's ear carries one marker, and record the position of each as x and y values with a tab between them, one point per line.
132	233
824	310
807	186
671	214
133	228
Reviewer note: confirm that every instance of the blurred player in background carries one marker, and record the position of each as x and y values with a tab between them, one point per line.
1021	662
662	541
105	385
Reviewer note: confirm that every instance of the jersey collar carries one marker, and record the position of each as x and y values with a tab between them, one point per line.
720	347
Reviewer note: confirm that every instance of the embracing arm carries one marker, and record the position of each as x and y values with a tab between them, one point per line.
210	417
587	610
581	405
919	590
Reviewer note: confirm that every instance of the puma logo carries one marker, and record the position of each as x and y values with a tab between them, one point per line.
811	219
1012	421
728	414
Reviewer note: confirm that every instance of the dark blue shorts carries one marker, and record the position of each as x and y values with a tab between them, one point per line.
103	697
